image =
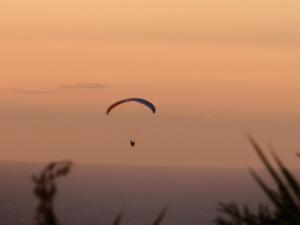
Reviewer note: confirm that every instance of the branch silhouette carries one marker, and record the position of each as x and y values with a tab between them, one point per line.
45	190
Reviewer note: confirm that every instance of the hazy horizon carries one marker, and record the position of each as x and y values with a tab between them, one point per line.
94	138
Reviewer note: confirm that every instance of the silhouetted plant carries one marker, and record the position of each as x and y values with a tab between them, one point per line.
45	190
158	220
285	198
118	219
161	216
233	215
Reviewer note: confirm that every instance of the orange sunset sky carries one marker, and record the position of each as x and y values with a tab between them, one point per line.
216	69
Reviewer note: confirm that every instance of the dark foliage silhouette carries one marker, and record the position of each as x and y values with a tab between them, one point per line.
285	198
161	216
45	190
118	219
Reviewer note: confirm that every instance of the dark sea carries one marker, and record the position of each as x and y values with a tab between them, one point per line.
94	194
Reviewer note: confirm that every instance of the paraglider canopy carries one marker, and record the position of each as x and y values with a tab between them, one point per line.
138	100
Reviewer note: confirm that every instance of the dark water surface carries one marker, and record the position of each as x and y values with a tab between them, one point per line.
93	194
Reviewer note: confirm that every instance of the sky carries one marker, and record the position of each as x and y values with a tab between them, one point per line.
213	68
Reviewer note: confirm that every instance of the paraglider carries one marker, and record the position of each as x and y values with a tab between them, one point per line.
138	100
142	101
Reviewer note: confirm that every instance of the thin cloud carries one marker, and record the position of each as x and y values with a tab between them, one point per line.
84	86
33	92
59	89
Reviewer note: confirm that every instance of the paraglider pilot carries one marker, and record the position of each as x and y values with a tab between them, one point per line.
132	143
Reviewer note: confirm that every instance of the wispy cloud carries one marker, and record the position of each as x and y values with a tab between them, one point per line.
33	92
84	86
59	89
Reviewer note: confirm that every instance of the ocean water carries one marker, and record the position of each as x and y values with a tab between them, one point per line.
94	194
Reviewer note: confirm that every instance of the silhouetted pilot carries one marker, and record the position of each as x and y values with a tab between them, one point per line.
132	143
